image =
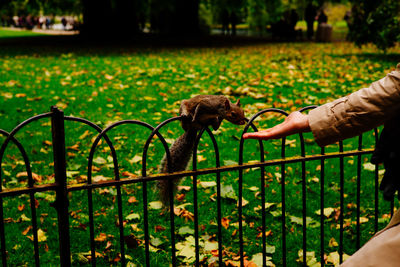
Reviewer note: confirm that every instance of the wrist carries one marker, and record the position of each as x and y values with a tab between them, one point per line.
301	122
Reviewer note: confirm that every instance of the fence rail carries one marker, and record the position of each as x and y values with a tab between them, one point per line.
61	188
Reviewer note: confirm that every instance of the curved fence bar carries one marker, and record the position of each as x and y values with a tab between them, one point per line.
358	200
376	197
195	205
85	121
322	193
304	189
341	217
262	170
10	137
14	132
322	204
171	199
117	178
219	208
283	200
116	174
32	202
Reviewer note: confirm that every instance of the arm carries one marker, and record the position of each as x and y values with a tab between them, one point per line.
345	117
358	112
296	122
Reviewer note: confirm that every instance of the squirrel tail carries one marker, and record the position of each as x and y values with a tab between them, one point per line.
181	152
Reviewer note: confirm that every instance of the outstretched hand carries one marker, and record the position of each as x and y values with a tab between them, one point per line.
296	122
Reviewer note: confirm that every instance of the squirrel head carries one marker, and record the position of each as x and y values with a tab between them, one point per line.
234	113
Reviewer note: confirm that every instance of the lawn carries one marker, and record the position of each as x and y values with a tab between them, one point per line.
107	84
13	33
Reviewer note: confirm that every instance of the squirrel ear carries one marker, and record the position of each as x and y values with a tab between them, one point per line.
227	104
238	103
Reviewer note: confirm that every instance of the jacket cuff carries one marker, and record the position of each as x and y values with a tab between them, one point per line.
323	121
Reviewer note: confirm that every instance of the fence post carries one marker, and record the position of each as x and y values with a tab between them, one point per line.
61	204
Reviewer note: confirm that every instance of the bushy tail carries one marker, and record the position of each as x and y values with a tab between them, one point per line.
181	152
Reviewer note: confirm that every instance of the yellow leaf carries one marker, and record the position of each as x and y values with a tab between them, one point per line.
41	235
333	243
244	203
155	205
200	158
327	212
149	98
363	219
135	159
208	184
84	135
108	77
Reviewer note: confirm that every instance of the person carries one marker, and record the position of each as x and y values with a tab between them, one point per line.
322	17
343	118
224	18
347	17
309	16
64	23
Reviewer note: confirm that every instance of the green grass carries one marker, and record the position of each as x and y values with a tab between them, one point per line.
106	85
13	33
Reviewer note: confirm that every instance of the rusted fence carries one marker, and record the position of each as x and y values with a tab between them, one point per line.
61	188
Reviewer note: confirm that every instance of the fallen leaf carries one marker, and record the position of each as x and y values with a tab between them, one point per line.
155	205
207	184
132	216
129	174
135	159
327	212
101	237
27	230
225	222
183	188
132	199
369	166
41	235
159	228
333	243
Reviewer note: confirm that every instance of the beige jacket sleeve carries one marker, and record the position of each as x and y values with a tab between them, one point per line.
358	112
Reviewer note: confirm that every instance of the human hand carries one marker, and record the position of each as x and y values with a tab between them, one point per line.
296	122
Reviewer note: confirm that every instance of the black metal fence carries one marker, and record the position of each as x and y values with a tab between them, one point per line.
61	188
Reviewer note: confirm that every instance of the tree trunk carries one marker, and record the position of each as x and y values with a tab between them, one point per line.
97	18
187	17
126	17
176	17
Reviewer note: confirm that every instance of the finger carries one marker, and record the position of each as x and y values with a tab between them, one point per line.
275	132
259	135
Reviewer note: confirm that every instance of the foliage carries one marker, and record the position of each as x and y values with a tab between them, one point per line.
257	15
376	22
275	10
336	12
33	7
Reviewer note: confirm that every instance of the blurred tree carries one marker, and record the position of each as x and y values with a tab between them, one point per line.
376	22
257	15
275	10
229	13
60	7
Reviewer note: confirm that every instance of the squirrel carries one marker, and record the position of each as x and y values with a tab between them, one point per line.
196	113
